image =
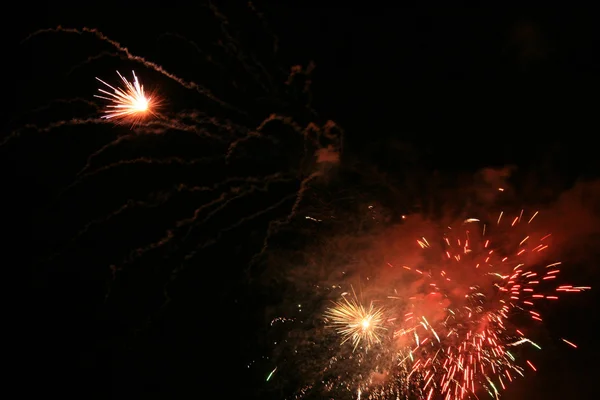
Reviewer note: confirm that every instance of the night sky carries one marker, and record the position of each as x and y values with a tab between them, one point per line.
423	100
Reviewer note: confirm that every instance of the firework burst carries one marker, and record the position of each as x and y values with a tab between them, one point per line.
454	325
487	279
129	103
355	322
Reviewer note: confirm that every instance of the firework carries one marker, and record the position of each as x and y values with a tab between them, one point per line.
356	322
127	103
484	288
452	326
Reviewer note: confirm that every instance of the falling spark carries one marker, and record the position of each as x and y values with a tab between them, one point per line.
271	374
570	343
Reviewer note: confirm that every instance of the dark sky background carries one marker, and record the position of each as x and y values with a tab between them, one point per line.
452	89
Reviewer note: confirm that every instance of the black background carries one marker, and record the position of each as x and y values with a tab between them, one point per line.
465	88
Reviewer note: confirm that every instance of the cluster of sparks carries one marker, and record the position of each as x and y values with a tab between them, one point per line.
129	103
356	322
482	290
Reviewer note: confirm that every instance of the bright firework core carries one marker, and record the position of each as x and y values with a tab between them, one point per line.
141	104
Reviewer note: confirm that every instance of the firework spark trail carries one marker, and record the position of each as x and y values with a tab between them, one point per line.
248	137
276	224
140	160
199	124
304	186
252	186
240	221
257	132
155	128
194	46
162	199
149	64
266	181
234	49
167	196
311	133
311	128
50	127
235	225
139	252
299	70
71	101
201	118
88	226
159	127
326	131
297	197
265	26
17	133
199	121
96	57
90	159
159	130
85	172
